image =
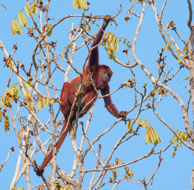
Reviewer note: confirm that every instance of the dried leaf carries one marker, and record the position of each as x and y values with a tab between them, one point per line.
6	124
187	78
114	171
118	161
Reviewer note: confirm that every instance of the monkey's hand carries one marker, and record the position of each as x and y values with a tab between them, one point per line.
39	170
107	19
123	114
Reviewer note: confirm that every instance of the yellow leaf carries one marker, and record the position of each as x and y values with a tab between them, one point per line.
167	47
45	102
22	19
172	23
39	104
114	171
168	25
19	31
31	106
1	116
89	28
12	29
28	97
27	11
129	126
118	161
165	75
27	85
110	37
34	9
51	101
144	123
145	84
179	61
47	28
148	124
75	4
11	95
82	4
185	48
127	170
116	44
147	138
174	139
140	122
16	27
15	89
187	78
152	135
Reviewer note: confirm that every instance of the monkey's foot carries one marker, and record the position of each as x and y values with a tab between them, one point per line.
39	170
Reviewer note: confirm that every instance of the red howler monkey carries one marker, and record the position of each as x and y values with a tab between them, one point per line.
95	77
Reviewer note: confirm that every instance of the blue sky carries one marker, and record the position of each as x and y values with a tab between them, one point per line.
174	173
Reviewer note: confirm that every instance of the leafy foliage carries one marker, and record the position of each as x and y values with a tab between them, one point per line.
80	4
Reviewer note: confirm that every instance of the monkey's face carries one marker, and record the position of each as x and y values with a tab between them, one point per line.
105	76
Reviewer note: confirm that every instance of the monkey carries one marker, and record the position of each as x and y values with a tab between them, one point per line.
95	77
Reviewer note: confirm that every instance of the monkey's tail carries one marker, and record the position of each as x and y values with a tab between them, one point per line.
62	137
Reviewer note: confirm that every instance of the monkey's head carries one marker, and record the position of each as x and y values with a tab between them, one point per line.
105	74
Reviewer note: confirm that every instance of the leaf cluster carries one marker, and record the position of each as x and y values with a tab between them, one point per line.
80	4
9	96
16	26
151	136
128	172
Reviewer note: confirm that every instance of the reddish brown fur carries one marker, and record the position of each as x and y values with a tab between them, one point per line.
88	93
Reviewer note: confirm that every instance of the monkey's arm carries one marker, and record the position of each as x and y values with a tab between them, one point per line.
94	54
109	105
